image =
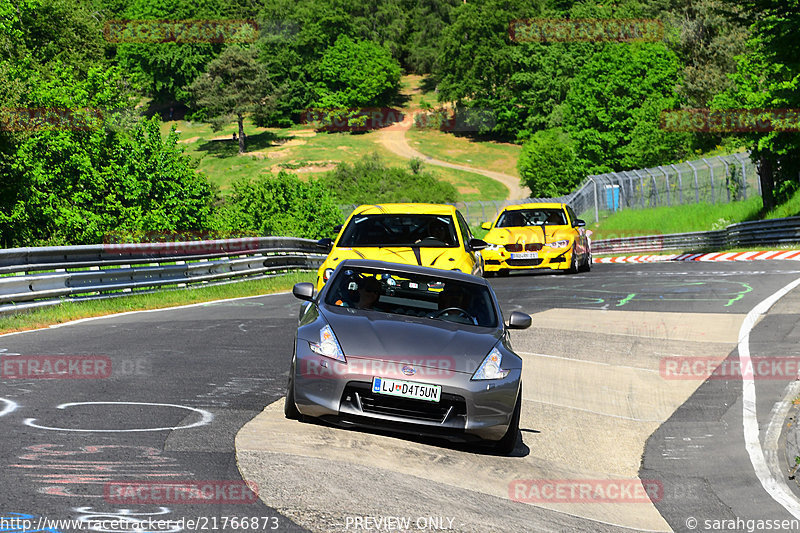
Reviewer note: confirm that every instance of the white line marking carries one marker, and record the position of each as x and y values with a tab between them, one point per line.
775	487
10	407
206	418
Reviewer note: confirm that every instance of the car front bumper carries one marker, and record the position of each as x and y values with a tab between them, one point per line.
341	393
554	259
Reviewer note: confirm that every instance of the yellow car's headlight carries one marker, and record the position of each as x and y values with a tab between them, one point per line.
558	244
494	247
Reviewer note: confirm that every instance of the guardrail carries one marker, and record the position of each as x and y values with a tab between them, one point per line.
758	233
36	277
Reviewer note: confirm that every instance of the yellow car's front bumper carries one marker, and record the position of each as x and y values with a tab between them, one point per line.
551	258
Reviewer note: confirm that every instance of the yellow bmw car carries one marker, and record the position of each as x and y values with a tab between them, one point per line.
539	235
430	235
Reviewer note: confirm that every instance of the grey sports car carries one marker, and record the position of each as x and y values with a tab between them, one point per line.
409	349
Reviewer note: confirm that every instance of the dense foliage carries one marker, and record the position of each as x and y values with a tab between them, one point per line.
547	164
279	205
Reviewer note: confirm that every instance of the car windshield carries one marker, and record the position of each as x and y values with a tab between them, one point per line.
532	217
417	295
437	231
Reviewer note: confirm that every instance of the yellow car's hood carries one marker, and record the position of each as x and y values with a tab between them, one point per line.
444	258
529	234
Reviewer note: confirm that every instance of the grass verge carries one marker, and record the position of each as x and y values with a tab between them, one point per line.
675	219
68	311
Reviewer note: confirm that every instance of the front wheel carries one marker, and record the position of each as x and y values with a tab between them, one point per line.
587	265
573	264
507	444
289	407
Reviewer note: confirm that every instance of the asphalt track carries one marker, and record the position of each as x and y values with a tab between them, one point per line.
597	407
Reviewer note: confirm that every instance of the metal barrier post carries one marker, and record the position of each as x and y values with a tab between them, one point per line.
666	176
696	184
711	170
680	184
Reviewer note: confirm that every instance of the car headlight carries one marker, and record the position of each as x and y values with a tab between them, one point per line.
328	346
558	244
494	247
327	274
490	368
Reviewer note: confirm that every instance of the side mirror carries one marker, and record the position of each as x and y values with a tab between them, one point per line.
486	225
304	291
477	244
519	320
580	223
326	244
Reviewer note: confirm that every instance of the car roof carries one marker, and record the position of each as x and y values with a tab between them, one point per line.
414	269
406	208
535	205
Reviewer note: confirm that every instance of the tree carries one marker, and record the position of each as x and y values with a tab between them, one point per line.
355	74
768	77
233	85
547	164
616	99
164	70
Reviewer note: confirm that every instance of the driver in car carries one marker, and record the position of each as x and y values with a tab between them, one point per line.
455	302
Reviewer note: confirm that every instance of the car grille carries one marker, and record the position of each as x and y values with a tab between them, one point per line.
450	408
523	262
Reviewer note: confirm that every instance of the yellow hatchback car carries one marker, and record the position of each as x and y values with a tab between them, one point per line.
432	235
537	235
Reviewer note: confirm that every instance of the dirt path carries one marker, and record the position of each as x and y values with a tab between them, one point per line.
394	140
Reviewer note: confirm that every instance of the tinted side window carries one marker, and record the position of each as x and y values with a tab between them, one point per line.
465	231
572	217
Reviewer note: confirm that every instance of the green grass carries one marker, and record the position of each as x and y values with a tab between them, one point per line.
499	157
675	219
790	208
471	187
68	311
305	152
416	89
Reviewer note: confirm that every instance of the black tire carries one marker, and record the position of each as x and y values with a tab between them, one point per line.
587	265
508	443
573	264
289	407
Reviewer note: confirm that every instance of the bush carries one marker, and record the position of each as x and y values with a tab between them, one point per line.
279	205
371	181
547	164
